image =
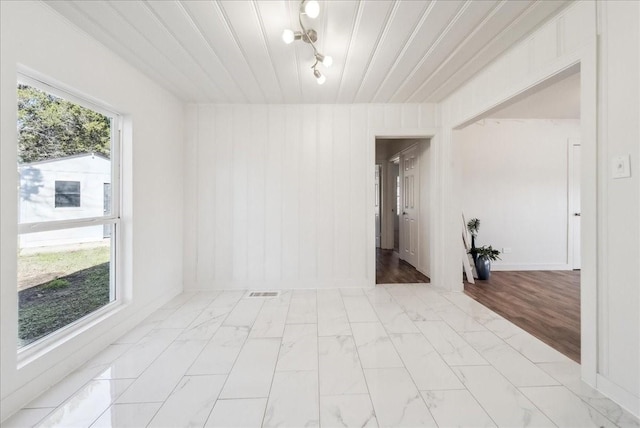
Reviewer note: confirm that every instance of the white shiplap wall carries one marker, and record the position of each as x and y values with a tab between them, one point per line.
279	193
150	268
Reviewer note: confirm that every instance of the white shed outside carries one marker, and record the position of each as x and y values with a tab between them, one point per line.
65	188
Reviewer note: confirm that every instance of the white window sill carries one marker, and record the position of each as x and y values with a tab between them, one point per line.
41	347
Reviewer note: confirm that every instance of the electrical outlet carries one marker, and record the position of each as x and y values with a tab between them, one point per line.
620	166
506	250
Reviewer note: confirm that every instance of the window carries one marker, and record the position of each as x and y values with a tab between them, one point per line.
67	194
67	158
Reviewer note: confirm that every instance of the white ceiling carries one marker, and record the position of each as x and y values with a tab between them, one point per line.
560	100
384	50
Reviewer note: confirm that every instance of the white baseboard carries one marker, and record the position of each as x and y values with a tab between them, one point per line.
620	395
424	272
506	267
308	284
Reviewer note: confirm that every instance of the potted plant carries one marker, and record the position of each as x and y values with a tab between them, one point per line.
483	257
473	226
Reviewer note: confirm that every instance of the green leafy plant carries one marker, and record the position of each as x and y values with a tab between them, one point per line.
485	251
473	226
50	127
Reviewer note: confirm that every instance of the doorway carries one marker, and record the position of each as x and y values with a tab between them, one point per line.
520	175
403	212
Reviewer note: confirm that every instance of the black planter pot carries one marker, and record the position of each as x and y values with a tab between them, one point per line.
483	267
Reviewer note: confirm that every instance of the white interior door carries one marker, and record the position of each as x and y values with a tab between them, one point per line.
574	204
409	217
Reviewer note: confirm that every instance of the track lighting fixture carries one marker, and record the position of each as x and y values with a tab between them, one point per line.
311	9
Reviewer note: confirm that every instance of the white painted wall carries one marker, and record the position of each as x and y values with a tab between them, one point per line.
515	180
283	195
610	208
152	186
619	208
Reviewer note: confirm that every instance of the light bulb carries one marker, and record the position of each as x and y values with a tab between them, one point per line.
327	61
288	36
319	76
312	9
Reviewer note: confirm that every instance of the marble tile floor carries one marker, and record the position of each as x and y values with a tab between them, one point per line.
402	355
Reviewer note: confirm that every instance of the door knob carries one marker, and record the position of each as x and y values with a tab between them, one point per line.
576	214
404	213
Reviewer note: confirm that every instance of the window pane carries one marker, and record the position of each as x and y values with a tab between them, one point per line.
67	194
63	275
64	158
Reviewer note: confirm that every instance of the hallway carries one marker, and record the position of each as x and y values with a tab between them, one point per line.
395	355
391	270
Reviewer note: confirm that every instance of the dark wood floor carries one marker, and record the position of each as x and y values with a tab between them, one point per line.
544	303
391	270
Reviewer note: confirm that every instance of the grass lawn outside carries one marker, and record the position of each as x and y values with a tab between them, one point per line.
61	287
41	267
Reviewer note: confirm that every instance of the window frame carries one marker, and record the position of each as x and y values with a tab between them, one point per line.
28	352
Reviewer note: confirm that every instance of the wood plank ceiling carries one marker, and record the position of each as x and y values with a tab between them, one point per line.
404	51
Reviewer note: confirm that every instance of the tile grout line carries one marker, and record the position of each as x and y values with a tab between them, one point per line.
200	353
318	355
505	378
266	404
461	381
404	366
178	383
490	365
355	345
560	384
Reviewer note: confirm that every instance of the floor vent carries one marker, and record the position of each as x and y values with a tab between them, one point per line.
264	294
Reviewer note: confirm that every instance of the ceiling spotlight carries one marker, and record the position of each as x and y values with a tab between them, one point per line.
311	8
326	60
288	36
319	76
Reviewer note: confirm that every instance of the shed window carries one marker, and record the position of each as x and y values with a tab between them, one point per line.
67	194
